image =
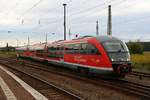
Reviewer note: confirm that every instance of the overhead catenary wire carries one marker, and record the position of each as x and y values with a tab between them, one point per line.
56	21
46	23
12	8
102	6
28	10
78	12
88	11
115	4
36	4
68	15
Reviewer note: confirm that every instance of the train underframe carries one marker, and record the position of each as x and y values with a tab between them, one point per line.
118	70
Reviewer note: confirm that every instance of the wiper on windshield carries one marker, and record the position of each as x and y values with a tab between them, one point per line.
119	50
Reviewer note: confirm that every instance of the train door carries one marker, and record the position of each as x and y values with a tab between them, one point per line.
89	55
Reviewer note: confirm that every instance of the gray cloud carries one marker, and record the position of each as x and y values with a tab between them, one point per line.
130	19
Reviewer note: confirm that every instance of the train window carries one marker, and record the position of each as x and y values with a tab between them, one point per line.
69	49
76	48
55	52
83	49
115	46
52	49
72	48
39	51
91	49
62	48
57	48
59	52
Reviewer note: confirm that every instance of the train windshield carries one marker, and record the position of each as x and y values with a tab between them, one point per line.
117	50
115	46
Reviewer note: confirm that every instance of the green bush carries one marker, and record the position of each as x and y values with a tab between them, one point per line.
135	48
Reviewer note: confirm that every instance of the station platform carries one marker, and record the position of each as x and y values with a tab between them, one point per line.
13	88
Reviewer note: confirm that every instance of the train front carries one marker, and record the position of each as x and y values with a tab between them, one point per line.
118	54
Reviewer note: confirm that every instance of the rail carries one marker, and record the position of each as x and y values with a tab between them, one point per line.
72	95
123	85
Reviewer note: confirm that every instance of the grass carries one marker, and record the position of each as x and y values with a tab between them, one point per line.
7	54
141	61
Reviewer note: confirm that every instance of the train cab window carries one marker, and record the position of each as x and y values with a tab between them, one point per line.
114	46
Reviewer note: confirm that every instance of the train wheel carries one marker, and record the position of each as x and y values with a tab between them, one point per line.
122	76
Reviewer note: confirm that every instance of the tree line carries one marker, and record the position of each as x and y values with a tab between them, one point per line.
138	47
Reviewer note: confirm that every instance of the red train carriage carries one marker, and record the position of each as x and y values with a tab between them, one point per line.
105	55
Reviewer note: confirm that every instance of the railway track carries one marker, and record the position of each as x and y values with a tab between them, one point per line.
51	91
133	87
123	85
140	74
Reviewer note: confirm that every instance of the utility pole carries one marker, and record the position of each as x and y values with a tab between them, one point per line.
28	43
46	39
45	48
109	24
39	22
7	47
69	34
17	42
97	29
64	21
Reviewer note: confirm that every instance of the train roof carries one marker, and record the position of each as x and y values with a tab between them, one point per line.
106	38
38	46
21	48
73	40
84	38
99	38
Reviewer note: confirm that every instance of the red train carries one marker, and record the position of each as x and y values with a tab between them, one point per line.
105	55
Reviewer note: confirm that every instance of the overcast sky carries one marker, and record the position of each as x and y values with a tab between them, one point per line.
34	18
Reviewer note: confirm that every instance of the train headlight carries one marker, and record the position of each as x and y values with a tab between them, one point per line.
128	59
112	59
122	59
